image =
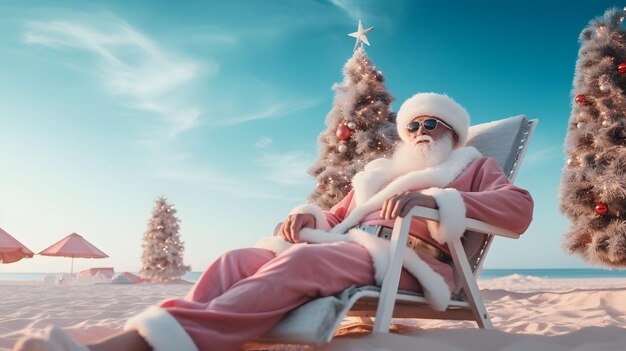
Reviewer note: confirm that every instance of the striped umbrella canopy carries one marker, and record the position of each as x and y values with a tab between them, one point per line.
72	246
12	250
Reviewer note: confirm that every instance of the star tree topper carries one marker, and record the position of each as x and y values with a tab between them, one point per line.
360	35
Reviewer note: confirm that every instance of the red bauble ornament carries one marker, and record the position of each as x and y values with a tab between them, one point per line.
621	68
343	132
580	99
601	208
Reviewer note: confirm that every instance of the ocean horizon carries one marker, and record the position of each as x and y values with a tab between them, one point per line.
486	274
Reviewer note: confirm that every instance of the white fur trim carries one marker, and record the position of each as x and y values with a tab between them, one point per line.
379	163
321	222
370	193
377	248
436	105
437	176
161	330
436	291
53	338
435	288
320	237
276	244
452	210
373	178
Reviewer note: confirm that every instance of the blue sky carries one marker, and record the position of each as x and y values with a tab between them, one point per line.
218	105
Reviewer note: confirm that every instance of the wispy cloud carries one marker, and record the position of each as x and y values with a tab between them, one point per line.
263	142
351	7
271	110
207	35
371	13
289	168
131	65
220	182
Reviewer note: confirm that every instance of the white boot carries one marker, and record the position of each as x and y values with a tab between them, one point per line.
52	338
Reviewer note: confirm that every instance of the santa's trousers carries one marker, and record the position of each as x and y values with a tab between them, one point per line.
246	292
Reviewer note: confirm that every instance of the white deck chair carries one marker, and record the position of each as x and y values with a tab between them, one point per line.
506	140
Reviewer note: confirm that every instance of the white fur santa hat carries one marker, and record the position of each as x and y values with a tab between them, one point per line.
436	105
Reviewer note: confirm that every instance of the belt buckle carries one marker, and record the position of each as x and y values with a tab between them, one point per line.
370	229
422	246
384	232
413	242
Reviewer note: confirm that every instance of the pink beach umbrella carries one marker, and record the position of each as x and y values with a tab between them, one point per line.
12	250
72	246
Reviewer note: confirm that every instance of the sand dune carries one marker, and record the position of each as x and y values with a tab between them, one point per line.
87	312
528	313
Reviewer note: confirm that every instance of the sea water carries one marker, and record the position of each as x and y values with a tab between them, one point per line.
555	273
486	274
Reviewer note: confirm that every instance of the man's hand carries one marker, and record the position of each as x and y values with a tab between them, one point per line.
401	204
290	230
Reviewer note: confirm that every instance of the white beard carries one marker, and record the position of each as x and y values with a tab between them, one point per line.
417	156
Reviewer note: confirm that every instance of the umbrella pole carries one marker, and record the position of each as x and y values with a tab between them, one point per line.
72	269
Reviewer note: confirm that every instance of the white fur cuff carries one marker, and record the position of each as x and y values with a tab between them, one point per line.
451	214
161	330
320	218
276	244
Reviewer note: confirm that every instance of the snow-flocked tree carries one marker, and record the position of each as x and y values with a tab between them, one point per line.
162	257
360	128
593	186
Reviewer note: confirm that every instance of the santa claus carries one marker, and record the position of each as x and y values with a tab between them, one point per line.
320	253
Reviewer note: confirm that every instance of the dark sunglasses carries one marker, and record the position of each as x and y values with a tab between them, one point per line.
429	124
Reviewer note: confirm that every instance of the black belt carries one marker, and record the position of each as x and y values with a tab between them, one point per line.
413	242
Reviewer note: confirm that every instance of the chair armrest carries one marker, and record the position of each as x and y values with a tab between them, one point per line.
470	223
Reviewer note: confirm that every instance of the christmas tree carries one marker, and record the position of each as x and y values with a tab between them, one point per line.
360	128
593	186
162	257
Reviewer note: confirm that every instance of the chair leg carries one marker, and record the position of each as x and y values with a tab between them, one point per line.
469	284
389	287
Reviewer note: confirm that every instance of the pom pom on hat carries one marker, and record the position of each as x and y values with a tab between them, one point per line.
436	105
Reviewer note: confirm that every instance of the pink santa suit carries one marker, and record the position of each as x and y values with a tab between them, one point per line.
244	293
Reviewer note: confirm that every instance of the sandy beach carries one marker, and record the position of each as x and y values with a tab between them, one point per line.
528	313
